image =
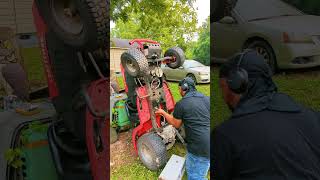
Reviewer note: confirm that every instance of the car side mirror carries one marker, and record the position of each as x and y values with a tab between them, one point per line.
228	20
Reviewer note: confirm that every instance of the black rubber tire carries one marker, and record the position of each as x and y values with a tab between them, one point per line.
269	53
178	54
193	78
132	95
221	8
93	31
152	151
134	62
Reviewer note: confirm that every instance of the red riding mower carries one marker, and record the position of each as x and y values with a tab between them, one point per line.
147	90
74	40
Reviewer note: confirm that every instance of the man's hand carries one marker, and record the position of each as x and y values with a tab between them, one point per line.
169	118
160	111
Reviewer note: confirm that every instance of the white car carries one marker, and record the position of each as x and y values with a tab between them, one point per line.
191	68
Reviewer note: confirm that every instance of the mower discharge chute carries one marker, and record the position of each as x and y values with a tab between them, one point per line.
147	90
74	37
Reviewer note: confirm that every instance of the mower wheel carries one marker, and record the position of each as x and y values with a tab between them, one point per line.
152	151
134	62
179	56
82	24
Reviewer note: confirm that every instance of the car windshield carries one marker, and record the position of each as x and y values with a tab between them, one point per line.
192	64
252	10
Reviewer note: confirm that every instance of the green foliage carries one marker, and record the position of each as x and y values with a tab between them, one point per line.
201	49
170	22
122	9
13	157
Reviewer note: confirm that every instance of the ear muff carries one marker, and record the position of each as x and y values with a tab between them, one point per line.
238	80
185	87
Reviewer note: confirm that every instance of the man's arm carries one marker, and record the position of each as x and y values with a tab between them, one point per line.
170	119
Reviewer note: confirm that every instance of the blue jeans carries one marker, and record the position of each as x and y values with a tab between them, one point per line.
197	167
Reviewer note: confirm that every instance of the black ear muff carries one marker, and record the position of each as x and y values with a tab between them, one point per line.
185	87
238	79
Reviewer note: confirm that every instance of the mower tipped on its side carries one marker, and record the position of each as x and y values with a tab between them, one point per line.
147	90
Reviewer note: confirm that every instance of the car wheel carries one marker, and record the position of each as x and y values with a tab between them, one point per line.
152	151
193	78
80	24
134	62
179	56
266	51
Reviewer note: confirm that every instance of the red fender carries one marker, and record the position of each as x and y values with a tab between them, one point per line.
99	94
41	33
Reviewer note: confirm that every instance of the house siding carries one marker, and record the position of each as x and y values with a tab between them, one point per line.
115	58
17	14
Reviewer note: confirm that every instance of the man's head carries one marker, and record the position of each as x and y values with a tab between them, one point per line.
186	85
244	76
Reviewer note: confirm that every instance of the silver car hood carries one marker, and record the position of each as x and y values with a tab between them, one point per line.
307	24
205	69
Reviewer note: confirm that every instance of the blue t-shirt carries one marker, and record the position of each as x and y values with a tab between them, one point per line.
194	110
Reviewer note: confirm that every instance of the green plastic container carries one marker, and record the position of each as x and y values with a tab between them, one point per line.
120	116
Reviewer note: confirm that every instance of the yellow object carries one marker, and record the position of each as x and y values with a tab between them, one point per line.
24	112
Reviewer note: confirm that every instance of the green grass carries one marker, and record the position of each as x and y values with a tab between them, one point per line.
136	170
303	87
34	67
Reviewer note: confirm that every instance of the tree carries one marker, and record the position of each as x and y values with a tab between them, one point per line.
201	49
122	9
170	22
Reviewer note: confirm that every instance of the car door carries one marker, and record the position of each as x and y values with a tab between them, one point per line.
178	74
228	37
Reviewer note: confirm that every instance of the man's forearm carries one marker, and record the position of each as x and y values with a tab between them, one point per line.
171	120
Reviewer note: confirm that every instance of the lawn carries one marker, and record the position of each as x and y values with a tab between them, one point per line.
33	65
303	86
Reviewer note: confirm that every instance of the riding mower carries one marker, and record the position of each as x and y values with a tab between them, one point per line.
74	41
147	90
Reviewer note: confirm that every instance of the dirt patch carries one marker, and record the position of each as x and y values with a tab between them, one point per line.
122	152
